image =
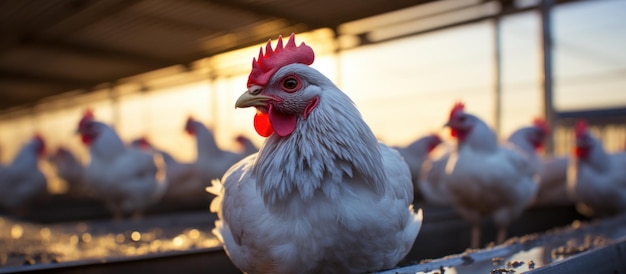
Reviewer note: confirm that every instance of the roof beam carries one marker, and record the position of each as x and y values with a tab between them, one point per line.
265	11
78	17
84	16
31	78
100	53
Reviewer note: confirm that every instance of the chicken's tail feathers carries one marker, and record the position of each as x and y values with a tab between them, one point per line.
216	188
217	231
417	217
412	228
420	215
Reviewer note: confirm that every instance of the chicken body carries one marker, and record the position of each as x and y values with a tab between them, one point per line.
248	147
212	161
183	181
528	140
486	179
72	171
21	182
416	155
431	183
597	179
552	171
553	182
321	195
127	179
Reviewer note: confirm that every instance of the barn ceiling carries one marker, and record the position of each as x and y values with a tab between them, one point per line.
49	47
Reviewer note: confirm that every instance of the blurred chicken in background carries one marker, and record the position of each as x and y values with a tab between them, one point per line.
22	183
484	178
128	180
416	155
431	184
552	170
184	184
596	179
530	139
211	160
72	171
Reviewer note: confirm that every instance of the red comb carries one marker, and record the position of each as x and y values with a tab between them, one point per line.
42	148
580	128
38	136
458	107
542	124
87	116
188	126
267	64
144	140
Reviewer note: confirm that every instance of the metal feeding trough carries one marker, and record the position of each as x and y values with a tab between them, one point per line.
595	247
182	242
157	243
66	208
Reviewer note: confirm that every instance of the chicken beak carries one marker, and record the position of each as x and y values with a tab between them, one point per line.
447	124
247	99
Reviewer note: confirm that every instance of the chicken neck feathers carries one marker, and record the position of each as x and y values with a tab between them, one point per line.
321	152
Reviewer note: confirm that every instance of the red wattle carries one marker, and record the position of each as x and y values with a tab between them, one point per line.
262	124
86	140
281	123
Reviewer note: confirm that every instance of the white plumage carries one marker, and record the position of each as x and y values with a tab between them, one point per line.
184	184
416	155
72	171
128	180
211	160
553	182
22	182
321	195
431	183
485	179
596	178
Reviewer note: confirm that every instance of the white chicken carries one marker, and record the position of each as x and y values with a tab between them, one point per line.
431	184
596	178
248	147
553	182
530	139
128	180
416	156
212	162
552	170
21	182
183	181
71	170
485	179
322	195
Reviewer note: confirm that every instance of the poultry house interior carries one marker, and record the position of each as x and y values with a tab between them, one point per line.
126	143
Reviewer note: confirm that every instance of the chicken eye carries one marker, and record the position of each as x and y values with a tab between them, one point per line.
291	84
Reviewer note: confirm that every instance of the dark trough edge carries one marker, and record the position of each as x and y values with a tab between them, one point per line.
609	257
606	259
201	260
